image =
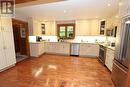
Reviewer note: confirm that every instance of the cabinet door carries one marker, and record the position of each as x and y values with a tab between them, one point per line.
9	48
2	55
109	59
94	27
6	24
82	27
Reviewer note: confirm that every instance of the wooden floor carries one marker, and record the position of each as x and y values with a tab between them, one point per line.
57	71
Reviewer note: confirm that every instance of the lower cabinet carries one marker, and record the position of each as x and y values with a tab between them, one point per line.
109	58
37	49
89	50
57	48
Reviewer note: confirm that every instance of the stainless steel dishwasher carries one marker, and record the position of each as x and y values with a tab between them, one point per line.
75	49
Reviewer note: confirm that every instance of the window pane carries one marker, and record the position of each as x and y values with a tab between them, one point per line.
70	31
62	32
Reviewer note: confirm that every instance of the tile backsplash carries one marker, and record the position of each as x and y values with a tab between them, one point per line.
89	39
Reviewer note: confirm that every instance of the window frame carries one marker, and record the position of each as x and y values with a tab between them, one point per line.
58	30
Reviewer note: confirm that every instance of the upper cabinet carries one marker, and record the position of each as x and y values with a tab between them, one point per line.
35	27
102	27
50	28
87	27
6	24
124	8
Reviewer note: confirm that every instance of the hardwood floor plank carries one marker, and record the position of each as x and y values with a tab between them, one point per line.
57	71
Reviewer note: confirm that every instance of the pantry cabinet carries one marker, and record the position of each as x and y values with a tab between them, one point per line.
7	51
2	56
89	50
109	58
57	48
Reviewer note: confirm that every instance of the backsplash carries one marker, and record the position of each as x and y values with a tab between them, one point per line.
88	39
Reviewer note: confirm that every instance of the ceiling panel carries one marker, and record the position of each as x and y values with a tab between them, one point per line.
71	9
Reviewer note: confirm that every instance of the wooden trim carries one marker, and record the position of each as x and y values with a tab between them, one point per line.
27	33
58	30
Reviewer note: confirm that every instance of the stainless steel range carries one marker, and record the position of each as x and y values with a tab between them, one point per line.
102	54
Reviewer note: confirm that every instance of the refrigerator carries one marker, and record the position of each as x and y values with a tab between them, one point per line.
122	54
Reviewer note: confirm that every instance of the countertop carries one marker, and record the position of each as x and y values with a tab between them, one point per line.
110	47
61	42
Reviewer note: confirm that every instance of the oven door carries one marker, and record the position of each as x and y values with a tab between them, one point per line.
102	54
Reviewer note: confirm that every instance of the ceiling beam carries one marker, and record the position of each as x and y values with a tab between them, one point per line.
24	3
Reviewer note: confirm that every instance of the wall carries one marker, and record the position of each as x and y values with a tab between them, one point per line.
112	21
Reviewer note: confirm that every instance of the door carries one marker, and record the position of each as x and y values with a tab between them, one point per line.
16	32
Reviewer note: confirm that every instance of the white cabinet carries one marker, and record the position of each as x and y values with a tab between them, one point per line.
87	27
9	48
7	51
57	48
82	27
37	49
2	56
89	50
50	28
109	58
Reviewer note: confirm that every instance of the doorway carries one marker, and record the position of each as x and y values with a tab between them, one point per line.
20	31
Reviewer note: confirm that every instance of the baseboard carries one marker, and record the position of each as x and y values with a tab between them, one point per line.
89	56
57	54
7	68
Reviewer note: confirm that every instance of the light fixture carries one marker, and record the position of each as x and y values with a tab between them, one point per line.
96	17
120	3
108	4
64	11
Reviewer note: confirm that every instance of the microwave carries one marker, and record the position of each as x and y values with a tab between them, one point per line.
112	32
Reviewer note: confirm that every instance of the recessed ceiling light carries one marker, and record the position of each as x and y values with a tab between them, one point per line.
64	11
108	4
96	17
120	3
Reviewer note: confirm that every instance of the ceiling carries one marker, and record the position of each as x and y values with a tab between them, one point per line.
71	10
23	1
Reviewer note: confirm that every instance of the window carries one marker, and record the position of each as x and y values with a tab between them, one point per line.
66	31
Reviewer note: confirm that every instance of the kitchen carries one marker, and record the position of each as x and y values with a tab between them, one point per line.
100	35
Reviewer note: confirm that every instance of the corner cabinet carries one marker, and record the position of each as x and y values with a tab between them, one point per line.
89	50
37	49
7	51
